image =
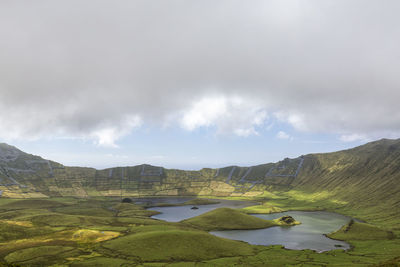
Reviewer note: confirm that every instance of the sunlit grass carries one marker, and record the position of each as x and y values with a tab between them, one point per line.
262	209
314	197
31	233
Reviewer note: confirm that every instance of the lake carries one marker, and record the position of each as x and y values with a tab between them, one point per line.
179	213
308	235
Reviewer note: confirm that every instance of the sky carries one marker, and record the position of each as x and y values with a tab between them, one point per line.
191	84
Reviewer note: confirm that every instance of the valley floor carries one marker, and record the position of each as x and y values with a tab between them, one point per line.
105	232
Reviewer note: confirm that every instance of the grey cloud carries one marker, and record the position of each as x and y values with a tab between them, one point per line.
73	67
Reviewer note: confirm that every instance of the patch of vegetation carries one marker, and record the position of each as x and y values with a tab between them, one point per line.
91	207
175	245
159	228
227	219
41	256
87	211
361	231
93	236
31	204
138	240
132	210
57	219
13	231
101	262
262	209
395	262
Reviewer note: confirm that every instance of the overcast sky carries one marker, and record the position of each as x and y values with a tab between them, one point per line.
190	83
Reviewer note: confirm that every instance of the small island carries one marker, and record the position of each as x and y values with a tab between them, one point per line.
286	221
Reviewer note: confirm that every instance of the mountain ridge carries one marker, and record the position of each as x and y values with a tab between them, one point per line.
18	161
364	178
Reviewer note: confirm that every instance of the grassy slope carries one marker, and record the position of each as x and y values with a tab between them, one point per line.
227	219
175	244
32	236
360	182
364	178
77	239
372	246
361	231
41	255
264	208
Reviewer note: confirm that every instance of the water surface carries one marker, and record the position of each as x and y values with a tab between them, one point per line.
308	235
156	200
179	213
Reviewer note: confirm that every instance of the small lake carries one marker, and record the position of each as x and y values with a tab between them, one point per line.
308	235
179	213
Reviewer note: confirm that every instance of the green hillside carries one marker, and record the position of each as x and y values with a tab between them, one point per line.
362	181
73	216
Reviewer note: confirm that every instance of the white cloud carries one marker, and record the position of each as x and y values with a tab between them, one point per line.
314	63
230	115
296	120
354	138
108	135
205	112
245	132
282	135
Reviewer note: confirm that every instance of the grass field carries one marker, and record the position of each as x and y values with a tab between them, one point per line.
104	232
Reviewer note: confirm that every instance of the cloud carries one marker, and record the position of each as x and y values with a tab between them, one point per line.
107	135
79	69
228	114
204	113
354	138
282	135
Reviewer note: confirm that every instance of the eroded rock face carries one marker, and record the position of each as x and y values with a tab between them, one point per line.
24	175
8	153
